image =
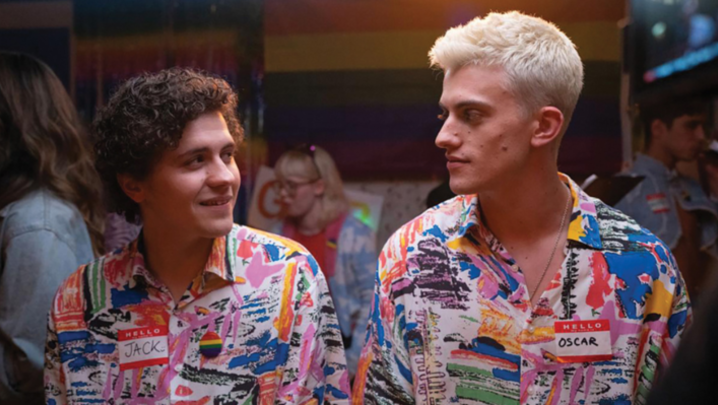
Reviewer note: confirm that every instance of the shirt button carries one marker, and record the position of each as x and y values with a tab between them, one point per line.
178	368
531	329
531	390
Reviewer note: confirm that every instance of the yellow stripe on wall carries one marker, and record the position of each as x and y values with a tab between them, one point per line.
598	41
354	51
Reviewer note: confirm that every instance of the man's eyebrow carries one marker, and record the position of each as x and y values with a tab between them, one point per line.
469	103
204	149
195	151
474	103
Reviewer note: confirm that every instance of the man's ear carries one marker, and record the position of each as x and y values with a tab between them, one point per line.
133	188
658	129
549	123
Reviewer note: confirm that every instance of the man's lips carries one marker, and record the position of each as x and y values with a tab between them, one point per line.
216	201
454	161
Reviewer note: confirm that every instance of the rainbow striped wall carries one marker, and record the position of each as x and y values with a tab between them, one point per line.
352	75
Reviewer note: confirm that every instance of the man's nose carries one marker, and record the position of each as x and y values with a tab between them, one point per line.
220	174
447	138
701	133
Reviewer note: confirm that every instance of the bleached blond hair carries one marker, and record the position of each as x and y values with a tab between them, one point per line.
316	166
541	62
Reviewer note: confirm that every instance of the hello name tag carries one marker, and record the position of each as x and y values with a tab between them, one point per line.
583	341
142	347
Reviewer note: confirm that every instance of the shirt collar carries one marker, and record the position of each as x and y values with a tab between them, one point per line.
217	264
651	165
583	226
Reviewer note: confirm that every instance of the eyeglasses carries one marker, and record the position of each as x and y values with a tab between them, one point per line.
291	186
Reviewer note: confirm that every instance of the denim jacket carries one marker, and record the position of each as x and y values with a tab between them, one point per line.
43	239
351	244
653	203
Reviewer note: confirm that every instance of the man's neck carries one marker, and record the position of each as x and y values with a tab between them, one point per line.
173	258
662	156
528	208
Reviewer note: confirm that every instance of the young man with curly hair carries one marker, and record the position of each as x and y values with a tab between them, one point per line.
197	309
522	289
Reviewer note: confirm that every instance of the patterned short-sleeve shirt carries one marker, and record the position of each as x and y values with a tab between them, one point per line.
452	321
257	326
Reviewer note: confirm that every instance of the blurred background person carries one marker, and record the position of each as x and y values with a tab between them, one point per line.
51	216
690	379
672	205
318	217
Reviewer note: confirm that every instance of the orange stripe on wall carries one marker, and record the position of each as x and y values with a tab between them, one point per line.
596	41
293	17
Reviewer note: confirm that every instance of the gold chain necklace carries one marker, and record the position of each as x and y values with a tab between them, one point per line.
553	252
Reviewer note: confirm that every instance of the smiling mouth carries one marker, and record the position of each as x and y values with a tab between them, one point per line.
216	201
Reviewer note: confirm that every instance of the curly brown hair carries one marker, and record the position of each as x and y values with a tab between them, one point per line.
146	116
43	143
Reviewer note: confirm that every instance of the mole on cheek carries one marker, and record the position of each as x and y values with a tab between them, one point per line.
505	148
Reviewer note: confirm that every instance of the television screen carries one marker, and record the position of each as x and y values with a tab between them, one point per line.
672	37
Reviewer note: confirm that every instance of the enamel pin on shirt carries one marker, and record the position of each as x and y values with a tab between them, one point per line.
583	341
143	347
210	345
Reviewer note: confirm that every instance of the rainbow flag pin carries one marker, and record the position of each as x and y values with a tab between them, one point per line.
210	345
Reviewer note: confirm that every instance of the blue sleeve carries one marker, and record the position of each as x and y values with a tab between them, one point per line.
35	264
364	266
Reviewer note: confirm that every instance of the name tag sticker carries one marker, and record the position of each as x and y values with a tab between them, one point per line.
658	203
583	341
143	347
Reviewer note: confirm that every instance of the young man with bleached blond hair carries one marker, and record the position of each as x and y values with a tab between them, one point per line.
522	289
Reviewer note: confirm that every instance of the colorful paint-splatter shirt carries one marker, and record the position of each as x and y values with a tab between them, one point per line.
257	326
452	321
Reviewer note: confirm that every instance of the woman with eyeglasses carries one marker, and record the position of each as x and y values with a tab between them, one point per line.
318	217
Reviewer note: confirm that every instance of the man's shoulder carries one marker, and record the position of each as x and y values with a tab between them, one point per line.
622	235
272	241
615	224
68	305
441	221
434	227
247	244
